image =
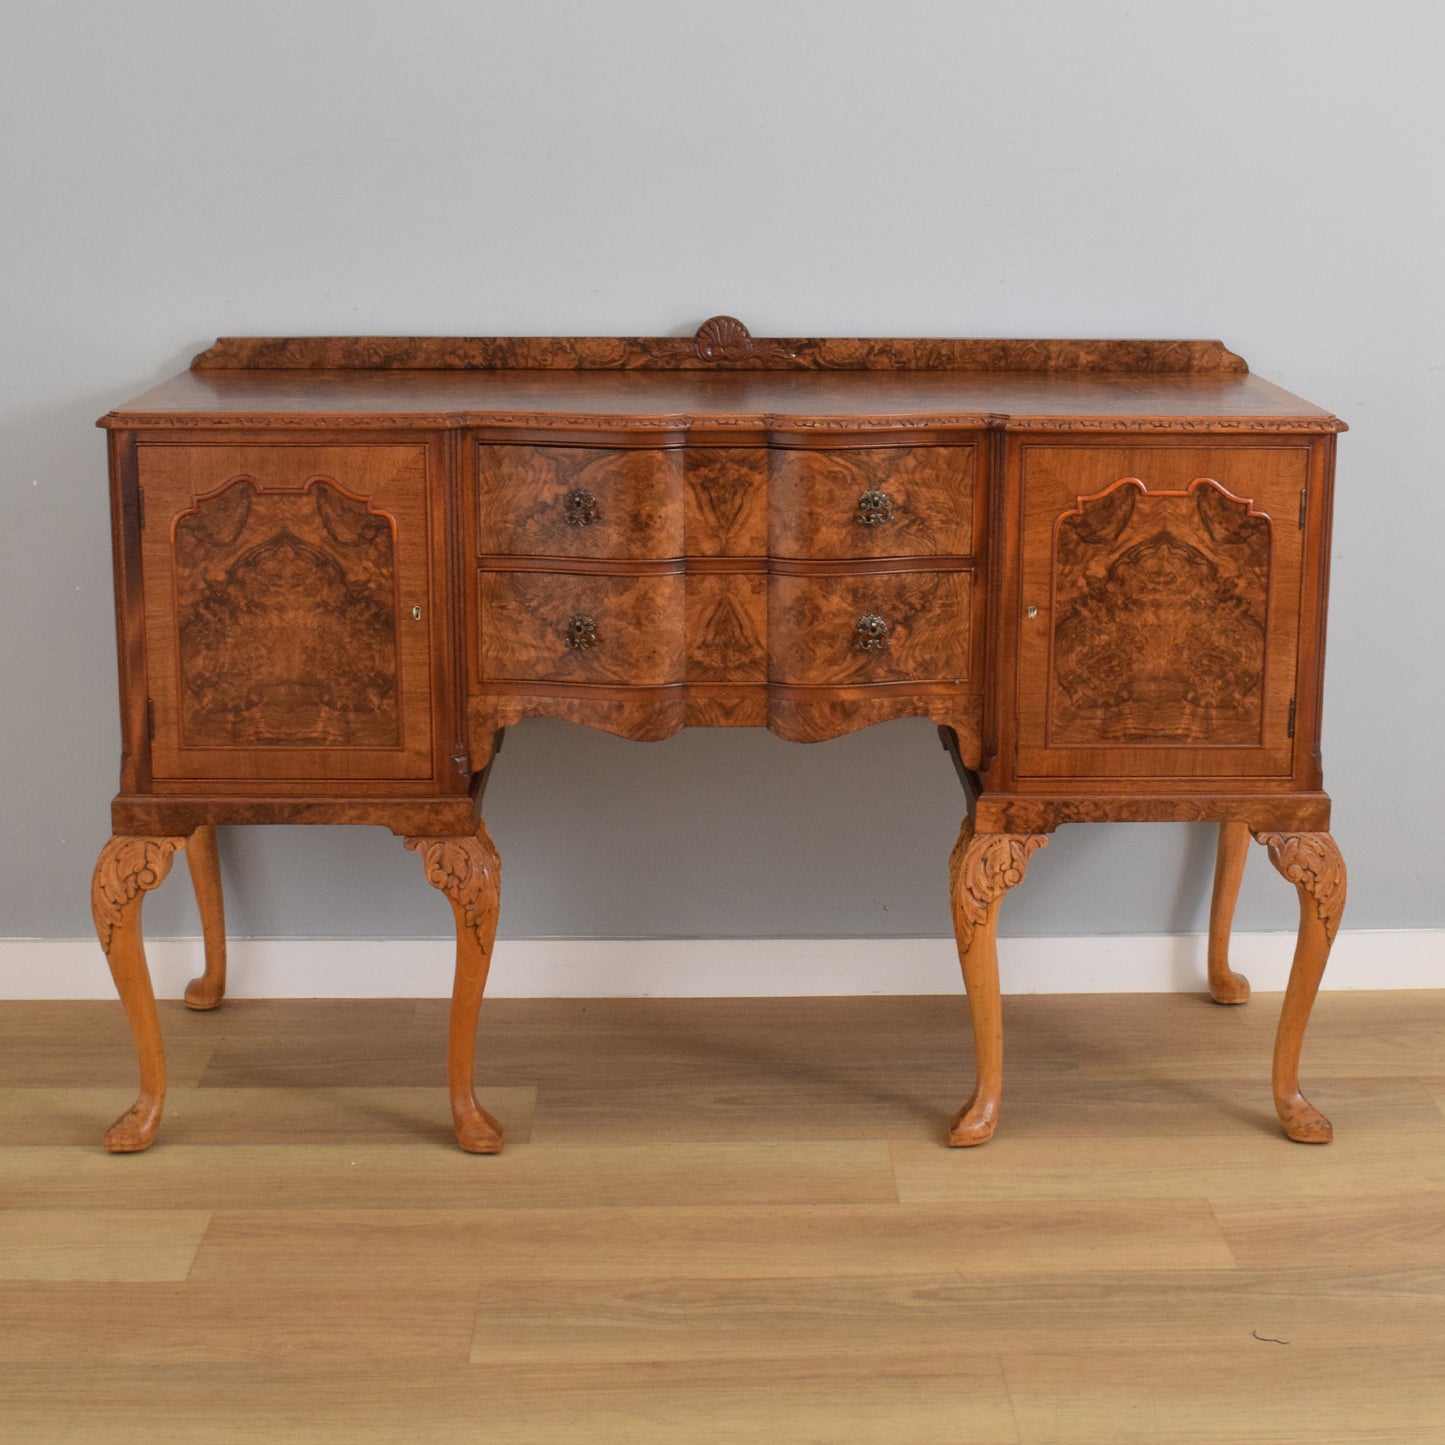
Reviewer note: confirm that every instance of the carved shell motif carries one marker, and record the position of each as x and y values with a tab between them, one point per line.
722	339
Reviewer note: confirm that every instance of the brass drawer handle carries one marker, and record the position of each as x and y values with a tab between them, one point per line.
874	508
579	507
872	633
580	632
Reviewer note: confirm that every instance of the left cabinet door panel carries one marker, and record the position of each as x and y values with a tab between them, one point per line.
291	599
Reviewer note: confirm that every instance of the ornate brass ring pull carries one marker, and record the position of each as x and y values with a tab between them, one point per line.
580	632
579	507
874	508
872	633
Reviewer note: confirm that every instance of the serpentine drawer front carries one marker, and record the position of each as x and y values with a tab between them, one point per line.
345	565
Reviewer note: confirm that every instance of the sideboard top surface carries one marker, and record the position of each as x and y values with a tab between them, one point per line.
738	382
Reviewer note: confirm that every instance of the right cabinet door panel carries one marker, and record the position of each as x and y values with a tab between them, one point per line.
1160	601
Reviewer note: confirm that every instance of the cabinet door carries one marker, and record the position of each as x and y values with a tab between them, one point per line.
1160	605
289	611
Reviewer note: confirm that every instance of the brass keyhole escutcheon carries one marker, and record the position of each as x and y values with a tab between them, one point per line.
872	633
580	632
416	614
579	507
874	508
1031	612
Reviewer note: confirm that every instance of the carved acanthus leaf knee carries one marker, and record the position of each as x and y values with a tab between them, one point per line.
1312	862
984	866
467	870
127	867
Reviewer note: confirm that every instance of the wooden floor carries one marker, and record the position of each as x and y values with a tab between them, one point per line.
723	1220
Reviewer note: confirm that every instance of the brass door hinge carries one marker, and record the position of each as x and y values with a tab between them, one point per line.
1291	717
151	719
1304	499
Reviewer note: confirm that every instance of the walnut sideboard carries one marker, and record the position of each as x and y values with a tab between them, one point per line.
344	565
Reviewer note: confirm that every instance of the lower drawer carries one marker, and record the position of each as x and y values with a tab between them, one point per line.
869	627
581	627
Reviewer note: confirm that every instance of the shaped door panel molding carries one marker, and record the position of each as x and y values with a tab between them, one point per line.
289	609
1161	597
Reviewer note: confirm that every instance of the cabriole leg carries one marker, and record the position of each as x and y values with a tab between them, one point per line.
984	866
1312	862
205	865
127	869
1226	986
468	871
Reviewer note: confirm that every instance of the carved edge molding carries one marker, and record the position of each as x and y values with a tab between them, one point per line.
759	421
126	868
1312	862
721	341
984	866
468	871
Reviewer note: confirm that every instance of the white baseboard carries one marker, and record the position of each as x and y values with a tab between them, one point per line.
717	967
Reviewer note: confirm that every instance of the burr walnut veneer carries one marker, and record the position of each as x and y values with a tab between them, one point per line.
345	565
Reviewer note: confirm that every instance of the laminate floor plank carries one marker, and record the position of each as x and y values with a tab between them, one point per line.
432	1173
1247	1394
951	1402
240	1115
1239	1168
324	1043
735	1221
64	1043
717	1242
1396	1229
949	1310
44	1244
324	1321
902	1107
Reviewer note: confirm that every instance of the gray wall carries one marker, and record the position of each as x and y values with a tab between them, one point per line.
1267	173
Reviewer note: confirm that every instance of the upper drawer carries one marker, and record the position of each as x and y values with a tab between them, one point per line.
873	502
557	501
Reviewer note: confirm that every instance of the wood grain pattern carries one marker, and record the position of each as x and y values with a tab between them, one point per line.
720	341
631	502
1159	606
1160	599
638	637
1135	1235
813	627
818	510
288	619
727	627
42	1244
725	501
280	586
813	714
